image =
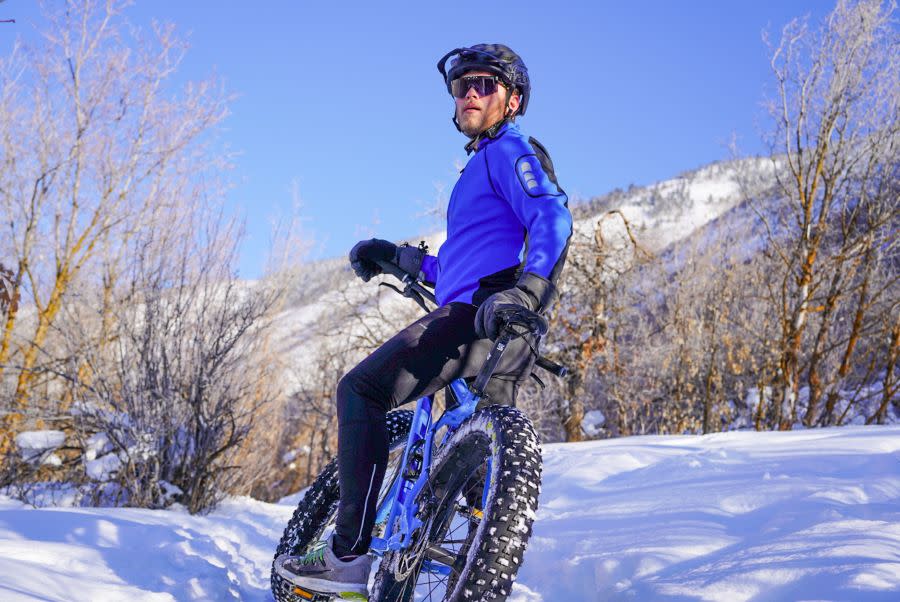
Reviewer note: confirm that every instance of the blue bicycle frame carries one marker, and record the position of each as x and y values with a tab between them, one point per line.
399	507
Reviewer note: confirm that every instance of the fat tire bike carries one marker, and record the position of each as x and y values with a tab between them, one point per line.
459	497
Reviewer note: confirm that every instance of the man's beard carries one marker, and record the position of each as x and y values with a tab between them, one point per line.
471	127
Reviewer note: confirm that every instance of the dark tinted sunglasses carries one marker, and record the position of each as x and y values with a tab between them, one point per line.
484	85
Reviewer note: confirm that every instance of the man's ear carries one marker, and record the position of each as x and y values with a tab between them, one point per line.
514	102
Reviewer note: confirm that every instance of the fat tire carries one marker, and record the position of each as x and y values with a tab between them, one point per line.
318	506
497	549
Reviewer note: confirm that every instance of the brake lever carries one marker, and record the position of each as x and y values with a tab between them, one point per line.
412	285
410	292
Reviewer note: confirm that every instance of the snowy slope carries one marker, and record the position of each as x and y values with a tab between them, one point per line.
808	515
660	214
804	515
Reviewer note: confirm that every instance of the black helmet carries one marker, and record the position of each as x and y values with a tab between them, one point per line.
493	58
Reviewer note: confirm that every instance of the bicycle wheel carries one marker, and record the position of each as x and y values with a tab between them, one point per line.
465	552
315	515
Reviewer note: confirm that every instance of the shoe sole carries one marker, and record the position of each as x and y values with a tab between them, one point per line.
320	597
346	591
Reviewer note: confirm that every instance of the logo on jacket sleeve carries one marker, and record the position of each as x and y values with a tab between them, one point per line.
533	178
526	171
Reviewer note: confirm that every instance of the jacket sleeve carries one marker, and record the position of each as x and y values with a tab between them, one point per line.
430	269
527	182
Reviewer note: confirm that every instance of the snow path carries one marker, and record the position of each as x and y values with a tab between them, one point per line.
809	515
741	516
130	554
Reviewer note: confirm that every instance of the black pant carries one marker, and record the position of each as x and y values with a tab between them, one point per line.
420	360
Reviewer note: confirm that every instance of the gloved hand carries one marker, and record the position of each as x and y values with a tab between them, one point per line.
532	292
366	252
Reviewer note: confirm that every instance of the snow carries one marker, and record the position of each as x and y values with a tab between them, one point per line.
36	441
38	446
132	554
593	423
103	467
736	516
803	515
672	210
96	445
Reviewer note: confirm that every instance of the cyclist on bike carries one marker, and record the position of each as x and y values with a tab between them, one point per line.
508	230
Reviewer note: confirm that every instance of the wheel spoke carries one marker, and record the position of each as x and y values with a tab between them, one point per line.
446	551
431	591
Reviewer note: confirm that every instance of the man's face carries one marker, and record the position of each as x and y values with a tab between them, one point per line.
476	113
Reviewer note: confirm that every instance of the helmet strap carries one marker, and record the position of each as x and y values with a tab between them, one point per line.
489	133
509	114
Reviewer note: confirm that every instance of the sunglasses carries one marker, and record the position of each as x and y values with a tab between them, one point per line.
484	85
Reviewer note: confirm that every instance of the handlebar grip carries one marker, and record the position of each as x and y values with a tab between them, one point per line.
389	267
552	367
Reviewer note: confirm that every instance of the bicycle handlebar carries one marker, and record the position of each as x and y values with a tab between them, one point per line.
389	267
414	288
531	320
552	367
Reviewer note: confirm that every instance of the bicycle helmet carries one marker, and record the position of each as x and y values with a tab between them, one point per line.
497	59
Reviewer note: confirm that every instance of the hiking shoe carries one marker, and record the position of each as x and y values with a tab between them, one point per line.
320	571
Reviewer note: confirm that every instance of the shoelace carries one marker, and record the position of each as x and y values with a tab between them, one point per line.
316	555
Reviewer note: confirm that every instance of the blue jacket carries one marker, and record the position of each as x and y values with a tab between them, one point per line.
507	215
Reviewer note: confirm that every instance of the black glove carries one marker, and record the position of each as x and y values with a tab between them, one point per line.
532	292
366	252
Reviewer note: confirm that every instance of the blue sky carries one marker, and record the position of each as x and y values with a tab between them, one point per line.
343	98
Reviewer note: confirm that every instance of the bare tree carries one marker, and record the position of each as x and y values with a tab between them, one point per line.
8	300
837	141
177	387
309	440
595	292
346	320
130	324
91	140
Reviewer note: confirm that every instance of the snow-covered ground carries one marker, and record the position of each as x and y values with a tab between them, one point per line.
804	515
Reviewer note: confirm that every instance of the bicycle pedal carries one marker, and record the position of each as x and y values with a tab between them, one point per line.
314	596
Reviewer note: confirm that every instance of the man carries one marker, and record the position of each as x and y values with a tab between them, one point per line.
508	229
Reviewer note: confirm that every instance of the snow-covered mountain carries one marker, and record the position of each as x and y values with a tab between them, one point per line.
660	214
730	517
